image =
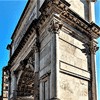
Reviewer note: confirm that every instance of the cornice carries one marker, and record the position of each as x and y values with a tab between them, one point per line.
61	8
22	43
21	18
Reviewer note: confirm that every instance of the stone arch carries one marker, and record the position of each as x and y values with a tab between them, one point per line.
25	82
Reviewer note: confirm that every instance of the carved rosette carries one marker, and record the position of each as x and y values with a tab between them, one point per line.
55	26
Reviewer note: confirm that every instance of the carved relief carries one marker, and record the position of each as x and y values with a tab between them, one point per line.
66	86
26	77
71	87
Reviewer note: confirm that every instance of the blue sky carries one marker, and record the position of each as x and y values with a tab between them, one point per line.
97	7
10	12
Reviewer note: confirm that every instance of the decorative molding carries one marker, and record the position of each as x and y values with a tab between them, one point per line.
71	70
86	49
36	46
90	48
93	47
61	10
45	76
26	10
55	26
22	42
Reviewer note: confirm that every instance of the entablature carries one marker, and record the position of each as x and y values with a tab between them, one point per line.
63	12
29	13
22	43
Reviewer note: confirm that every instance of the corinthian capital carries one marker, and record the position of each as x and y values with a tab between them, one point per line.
55	26
93	47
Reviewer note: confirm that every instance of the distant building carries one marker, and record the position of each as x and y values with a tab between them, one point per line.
4	84
52	53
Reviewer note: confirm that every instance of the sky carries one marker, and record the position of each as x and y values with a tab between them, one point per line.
97	13
10	12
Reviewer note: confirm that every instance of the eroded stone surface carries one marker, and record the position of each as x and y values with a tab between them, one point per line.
72	88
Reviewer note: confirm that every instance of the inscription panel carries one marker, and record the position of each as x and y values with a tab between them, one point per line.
74	71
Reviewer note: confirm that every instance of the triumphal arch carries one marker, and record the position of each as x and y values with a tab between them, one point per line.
52	53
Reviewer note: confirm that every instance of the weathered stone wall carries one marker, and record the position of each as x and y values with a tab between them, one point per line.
72	88
45	63
45	52
73	69
71	51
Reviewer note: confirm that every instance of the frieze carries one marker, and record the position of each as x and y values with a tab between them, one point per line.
22	42
73	86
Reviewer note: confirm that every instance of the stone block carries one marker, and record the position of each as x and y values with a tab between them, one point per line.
78	44
66	57
45	61
85	64
45	50
45	70
66	47
79	54
66	37
77	62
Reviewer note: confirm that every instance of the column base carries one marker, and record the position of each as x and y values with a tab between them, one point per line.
54	98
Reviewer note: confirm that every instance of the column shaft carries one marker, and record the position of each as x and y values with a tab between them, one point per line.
36	81
54	84
94	92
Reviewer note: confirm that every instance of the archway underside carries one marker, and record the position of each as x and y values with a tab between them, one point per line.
25	89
